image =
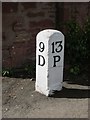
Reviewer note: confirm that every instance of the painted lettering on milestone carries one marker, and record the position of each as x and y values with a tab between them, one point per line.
42	46
56	48
41	59
49	61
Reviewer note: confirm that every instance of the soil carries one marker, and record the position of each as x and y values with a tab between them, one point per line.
20	100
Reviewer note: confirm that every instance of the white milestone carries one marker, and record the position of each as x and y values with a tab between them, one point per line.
49	61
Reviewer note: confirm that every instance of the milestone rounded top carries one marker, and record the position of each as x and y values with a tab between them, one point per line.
47	33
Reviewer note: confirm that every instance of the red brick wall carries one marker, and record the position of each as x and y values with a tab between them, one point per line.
78	10
21	23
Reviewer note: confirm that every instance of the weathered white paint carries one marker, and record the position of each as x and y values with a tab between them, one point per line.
49	61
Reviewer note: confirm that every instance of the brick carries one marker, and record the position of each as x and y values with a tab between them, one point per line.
18	56
20	44
34	30
37	14
8	7
28	5
17	26
37	17
5	54
50	3
7	63
46	22
30	50
42	23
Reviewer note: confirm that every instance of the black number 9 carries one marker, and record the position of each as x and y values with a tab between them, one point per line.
42	47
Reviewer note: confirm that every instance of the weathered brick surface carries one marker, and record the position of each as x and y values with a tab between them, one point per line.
21	24
9	7
31	14
23	21
78	11
30	5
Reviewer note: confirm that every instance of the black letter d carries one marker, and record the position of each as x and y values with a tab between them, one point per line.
42	58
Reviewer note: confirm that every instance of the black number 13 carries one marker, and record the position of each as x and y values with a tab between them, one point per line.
58	48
